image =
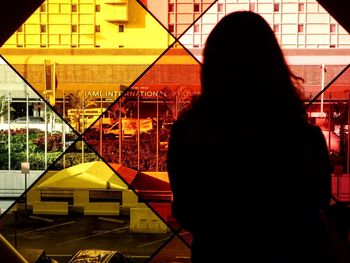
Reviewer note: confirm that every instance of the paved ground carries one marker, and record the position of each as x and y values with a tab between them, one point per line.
63	236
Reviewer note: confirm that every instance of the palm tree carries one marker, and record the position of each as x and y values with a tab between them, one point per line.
177	99
4	107
340	117
80	101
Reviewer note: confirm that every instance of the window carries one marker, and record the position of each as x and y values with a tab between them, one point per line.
20	29
97	28
43	8
171	28
332	28
276	28
300	28
301	7
196	8
276	7
97	8
252	7
74	8
74	28
196	28
171	7
42	28
220	7
121	28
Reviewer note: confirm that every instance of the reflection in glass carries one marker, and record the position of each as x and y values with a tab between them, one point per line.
83	205
330	110
74	66
30	132
133	133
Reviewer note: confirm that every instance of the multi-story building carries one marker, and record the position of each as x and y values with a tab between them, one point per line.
114	24
316	46
99	47
296	23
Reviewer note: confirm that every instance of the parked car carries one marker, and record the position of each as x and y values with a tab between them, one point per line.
32	119
33	123
129	127
100	256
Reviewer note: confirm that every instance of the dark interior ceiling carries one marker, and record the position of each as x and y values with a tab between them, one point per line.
13	13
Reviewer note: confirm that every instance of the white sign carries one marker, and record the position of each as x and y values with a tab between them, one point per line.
25	167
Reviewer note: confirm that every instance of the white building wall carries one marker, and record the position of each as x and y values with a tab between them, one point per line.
291	15
12	185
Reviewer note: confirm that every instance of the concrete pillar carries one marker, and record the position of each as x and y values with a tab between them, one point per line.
129	199
81	197
33	195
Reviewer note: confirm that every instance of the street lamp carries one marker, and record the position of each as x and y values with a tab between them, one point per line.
25	167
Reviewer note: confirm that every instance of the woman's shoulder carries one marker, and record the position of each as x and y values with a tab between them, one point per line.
316	138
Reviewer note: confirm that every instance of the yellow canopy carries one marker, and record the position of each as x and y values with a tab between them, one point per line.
91	175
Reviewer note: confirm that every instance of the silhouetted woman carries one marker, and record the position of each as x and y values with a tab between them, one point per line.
247	171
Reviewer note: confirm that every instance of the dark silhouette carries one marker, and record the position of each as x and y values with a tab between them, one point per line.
249	174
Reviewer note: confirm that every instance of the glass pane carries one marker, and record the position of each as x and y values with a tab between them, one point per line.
330	110
146	112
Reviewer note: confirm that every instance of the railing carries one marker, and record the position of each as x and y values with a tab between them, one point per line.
341	187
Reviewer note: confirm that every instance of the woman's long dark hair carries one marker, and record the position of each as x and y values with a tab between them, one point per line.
244	64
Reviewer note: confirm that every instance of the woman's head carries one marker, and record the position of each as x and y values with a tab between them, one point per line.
243	61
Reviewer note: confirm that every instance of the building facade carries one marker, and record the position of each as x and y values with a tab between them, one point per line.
94	50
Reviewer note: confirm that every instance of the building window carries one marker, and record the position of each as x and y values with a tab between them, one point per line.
171	7
252	7
97	8
300	28
74	8
220	8
97	28
276	28
332	28
43	8
171	28
196	28
121	28
42	28
301	7
276	7
20	29
74	28
196	7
